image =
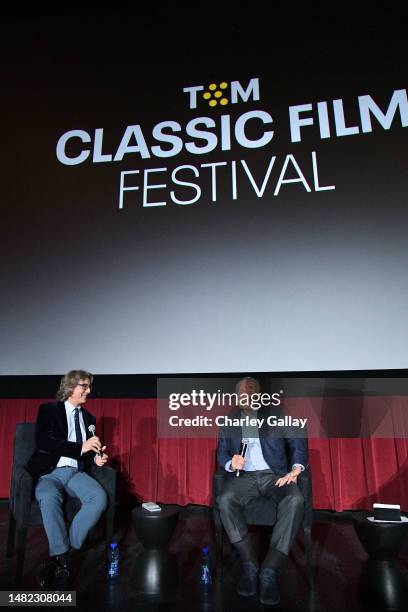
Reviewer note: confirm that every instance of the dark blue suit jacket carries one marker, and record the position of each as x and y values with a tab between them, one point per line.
280	453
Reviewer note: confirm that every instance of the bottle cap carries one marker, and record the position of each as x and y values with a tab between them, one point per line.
205	550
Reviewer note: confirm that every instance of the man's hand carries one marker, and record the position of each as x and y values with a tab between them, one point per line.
93	444
101	460
288	478
238	462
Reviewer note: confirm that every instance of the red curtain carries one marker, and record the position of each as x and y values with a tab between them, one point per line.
347	473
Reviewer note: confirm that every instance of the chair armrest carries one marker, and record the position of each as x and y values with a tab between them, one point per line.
21	495
218	484
106	476
304	482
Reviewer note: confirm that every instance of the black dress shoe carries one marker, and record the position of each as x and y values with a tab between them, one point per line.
247	585
46	575
268	587
63	580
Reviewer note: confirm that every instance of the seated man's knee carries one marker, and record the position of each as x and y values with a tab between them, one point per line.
47	495
296	501
98	498
226	499
102	500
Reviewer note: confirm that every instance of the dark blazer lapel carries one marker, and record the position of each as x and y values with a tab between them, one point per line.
62	419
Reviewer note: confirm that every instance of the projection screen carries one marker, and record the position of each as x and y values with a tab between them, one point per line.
180	200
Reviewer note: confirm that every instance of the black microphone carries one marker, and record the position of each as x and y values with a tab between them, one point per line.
242	452
92	430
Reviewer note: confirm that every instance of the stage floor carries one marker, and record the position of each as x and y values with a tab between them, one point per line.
337	553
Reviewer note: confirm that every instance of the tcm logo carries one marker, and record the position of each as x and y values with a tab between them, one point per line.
222	93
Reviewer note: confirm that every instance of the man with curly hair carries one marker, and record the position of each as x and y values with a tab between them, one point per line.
65	452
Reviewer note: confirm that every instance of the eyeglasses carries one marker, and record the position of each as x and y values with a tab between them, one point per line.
85	386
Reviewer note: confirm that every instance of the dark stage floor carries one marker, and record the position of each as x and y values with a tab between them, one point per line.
338	560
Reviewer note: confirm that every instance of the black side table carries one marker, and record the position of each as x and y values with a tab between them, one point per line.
383	585
155	571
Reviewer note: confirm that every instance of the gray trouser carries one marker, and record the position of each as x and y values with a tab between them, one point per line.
49	493
238	492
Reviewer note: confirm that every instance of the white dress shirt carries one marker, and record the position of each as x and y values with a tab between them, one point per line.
70	412
254	459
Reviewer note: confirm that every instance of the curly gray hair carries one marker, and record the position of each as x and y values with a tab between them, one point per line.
69	382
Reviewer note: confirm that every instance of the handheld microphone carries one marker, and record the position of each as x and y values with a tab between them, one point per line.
92	430
242	452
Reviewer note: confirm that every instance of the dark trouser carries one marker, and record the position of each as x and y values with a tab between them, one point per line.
238	492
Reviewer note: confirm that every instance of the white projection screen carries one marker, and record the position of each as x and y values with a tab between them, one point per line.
191	196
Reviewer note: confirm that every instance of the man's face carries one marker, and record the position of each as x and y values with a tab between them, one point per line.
81	392
246	388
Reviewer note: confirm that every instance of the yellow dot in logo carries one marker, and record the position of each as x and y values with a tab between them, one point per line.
212	87
218	94
207	95
223	101
213	103
223	85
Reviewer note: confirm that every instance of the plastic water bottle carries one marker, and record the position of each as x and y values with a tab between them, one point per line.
205	570
113	562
